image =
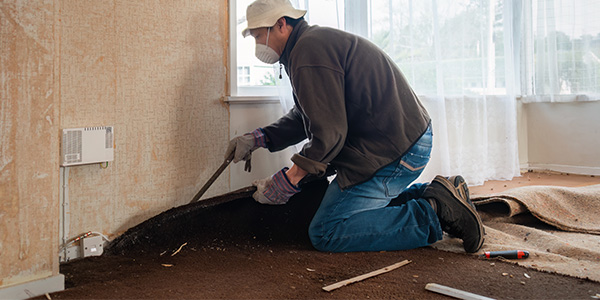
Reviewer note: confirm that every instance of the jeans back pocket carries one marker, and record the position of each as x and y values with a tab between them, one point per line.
410	166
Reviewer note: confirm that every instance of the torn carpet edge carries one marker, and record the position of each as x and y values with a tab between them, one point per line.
567	208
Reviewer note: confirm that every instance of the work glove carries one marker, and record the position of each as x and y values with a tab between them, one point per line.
241	147
274	190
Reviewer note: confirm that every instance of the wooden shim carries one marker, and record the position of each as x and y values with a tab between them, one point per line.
340	284
452	292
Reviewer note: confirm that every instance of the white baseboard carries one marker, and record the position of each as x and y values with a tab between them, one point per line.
34	288
565	169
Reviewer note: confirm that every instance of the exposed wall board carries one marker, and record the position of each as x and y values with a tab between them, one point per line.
157	72
28	143
154	70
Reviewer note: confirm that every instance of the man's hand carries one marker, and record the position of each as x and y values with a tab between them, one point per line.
274	190
242	147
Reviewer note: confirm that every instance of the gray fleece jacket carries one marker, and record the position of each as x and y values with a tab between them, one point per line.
352	103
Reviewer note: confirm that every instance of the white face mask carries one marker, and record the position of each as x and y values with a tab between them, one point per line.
264	53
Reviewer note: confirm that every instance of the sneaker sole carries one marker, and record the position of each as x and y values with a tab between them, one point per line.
460	183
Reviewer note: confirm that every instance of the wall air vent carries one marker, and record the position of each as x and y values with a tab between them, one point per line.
87	145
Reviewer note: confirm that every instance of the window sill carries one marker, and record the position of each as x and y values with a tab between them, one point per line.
558	98
252	100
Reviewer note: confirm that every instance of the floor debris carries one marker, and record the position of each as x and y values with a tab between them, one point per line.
178	249
340	284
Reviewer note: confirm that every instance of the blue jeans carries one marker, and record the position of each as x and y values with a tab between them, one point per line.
364	217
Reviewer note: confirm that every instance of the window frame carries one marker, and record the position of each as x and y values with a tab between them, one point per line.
236	93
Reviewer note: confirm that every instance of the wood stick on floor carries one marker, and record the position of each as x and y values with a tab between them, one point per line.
452	292
179	249
340	284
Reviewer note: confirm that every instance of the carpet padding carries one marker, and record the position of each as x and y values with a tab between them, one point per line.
567	208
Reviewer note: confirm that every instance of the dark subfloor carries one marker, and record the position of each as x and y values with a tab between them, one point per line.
243	250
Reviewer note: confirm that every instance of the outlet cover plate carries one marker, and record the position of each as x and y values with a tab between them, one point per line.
92	246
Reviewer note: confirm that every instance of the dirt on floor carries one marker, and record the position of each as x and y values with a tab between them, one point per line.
243	250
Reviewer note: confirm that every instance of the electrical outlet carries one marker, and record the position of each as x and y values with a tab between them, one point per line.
92	246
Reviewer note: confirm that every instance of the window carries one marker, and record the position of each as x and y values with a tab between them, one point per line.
243	74
255	78
444	47
563	50
544	50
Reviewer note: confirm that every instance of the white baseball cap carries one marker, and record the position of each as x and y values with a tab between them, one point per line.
265	13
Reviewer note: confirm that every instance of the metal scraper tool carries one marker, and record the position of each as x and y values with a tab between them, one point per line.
213	178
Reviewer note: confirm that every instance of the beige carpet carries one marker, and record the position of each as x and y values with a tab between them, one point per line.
559	226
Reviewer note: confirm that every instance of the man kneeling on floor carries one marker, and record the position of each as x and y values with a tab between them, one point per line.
363	120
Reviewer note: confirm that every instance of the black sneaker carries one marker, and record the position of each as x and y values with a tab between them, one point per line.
457	216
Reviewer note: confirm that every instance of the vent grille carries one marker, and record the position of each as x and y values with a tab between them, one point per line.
72	152
87	145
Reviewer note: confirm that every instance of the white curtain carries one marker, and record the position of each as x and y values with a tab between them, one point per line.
452	53
459	71
469	60
563	43
474	137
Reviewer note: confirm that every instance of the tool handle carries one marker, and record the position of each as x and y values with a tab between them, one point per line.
511	254
213	177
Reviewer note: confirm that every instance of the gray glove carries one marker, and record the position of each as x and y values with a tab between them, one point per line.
274	190
242	147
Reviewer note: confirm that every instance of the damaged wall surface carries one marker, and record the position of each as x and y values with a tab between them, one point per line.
156	71
28	143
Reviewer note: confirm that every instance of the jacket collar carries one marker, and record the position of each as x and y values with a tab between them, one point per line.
291	42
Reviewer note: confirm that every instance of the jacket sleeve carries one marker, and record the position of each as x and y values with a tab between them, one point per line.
287	131
320	92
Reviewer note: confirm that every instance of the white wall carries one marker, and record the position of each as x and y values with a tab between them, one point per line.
564	137
522	136
245	117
